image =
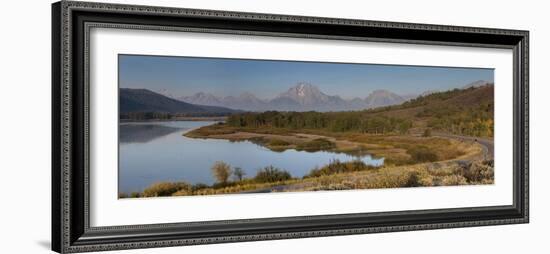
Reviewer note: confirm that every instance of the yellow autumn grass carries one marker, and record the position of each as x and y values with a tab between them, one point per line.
450	173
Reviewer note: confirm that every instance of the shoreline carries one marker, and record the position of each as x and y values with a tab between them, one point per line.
395	149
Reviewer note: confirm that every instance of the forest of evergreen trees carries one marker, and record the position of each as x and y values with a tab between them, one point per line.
331	121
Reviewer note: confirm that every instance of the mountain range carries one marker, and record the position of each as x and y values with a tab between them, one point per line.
301	97
307	97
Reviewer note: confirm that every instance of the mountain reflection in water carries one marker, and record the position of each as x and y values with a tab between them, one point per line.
143	133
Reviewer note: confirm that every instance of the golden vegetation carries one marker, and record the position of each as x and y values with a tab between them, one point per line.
338	176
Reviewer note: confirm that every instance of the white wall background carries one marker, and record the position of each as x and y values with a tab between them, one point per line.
25	129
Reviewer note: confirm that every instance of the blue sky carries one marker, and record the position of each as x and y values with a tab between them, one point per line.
183	76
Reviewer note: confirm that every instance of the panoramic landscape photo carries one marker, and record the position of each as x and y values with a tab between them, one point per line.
202	126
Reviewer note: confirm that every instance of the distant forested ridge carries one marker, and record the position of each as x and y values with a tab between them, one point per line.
141	104
467	111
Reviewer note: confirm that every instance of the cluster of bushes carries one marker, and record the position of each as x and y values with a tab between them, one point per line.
336	167
479	172
459	173
350	121
376	180
222	172
447	174
271	174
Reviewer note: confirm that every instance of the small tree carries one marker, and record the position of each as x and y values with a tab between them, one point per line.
221	171
239	173
427	133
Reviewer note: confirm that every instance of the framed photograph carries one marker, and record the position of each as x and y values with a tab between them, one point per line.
181	126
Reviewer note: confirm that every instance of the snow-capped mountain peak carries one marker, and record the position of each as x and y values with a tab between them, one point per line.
305	93
302	87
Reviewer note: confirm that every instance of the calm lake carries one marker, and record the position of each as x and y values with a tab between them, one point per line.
157	151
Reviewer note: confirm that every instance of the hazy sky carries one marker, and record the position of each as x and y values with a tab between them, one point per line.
183	76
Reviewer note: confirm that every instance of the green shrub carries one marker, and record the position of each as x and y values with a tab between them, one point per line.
271	174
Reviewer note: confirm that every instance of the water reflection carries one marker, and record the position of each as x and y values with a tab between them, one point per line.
143	133
153	152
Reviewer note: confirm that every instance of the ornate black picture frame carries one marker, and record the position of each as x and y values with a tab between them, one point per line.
71	231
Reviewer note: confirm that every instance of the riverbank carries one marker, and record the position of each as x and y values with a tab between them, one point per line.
396	149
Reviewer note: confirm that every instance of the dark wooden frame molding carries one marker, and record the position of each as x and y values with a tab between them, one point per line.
71	22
